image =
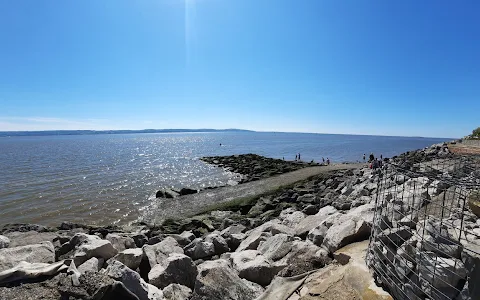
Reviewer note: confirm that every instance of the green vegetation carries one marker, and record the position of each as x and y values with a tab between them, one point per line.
476	133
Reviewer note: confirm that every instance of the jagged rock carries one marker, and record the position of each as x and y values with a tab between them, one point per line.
38	253
303	257
167	193
252	240
276	247
395	236
4	242
132	281
233	229
307	198
317	234
177	268
217	281
176	292
18	238
130	257
92	265
234	240
253	266
352	227
219	243
311	222
160	251
120	242
441	273
88	246
23	228
199	249
310	210
292	219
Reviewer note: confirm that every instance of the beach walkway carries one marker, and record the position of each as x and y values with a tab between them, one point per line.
184	206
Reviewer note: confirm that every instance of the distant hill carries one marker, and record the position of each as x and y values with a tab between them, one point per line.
87	132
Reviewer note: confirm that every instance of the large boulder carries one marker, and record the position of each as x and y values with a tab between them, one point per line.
92	265
217	281
88	246
160	251
132	281
220	244
176	291
4	242
303	257
120	242
199	249
348	228
276	247
130	257
177	268
310	222
252	240
253	266
43	252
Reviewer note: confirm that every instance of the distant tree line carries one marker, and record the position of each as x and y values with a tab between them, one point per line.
476	133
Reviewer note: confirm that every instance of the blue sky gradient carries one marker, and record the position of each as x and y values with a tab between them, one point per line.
362	67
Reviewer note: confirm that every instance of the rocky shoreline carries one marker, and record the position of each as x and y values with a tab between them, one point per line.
283	245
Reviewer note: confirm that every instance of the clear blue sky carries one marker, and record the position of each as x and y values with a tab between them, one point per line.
363	67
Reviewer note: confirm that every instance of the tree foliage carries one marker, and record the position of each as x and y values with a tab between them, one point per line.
476	132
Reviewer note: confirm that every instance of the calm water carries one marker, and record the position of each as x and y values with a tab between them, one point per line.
106	179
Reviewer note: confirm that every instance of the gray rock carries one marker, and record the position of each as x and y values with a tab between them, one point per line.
317	234
396	236
307	198
130	257
38	253
120	242
310	210
132	281
217	281
292	219
253	266
219	243
176	292
30	237
199	249
441	273
177	268
303	257
88	246
276	247
160	251
4	242
92	265
234	240
311	222
352	227
233	229
252	240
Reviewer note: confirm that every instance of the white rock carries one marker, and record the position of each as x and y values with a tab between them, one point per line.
177	268
130	257
4	241
43	252
293	219
277	246
120	242
311	222
160	251
132	281
253	266
252	240
92	265
176	292
88	246
217	281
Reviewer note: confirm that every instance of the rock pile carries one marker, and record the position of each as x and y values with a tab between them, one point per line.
255	167
285	245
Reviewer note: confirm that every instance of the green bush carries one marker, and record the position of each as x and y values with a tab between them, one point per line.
476	132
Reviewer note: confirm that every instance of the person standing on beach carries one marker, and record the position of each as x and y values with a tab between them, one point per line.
381	156
328	161
364	157
296	155
323	160
371	158
299	156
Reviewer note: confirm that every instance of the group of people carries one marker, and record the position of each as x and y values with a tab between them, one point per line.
375	163
298	158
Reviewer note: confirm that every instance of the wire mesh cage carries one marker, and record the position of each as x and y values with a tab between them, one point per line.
425	241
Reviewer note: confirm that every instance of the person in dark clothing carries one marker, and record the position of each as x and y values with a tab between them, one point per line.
371	157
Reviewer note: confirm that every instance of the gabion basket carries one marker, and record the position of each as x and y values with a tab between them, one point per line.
425	241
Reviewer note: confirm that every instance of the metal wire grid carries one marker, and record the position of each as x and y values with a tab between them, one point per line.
418	241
